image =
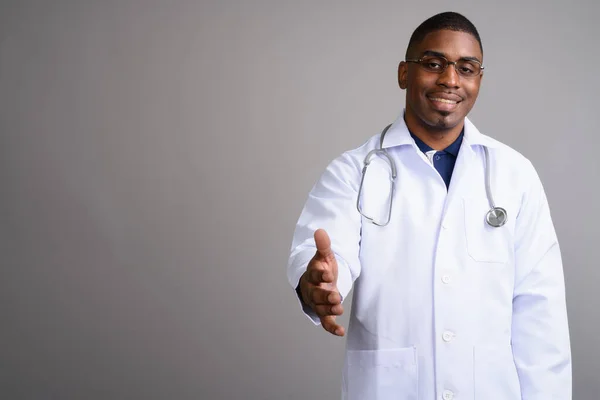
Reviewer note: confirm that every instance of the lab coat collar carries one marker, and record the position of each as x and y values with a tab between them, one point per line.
398	135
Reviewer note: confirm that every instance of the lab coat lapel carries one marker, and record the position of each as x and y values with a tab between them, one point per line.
463	176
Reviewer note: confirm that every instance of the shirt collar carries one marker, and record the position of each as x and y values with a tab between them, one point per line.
398	135
453	148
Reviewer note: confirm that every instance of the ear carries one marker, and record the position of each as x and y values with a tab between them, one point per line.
403	75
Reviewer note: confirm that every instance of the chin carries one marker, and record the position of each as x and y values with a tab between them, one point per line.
445	121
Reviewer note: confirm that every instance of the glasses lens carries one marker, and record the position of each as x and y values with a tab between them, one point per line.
465	68
468	69
434	64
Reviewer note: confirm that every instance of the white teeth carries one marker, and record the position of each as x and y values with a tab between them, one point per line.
445	101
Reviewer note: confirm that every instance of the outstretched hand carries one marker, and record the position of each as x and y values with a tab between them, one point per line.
318	285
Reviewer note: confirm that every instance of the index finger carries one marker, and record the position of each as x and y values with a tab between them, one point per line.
315	275
320	295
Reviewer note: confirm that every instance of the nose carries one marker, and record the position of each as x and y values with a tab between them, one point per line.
449	78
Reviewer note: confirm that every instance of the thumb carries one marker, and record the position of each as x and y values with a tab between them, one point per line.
323	244
324	252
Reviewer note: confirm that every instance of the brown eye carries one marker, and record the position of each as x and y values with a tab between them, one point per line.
433	64
467	68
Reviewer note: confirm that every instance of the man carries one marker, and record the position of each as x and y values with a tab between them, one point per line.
450	301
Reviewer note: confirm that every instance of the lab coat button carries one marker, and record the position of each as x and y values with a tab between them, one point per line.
447	395
447	336
446	279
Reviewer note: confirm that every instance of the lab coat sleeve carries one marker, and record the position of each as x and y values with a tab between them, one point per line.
331	205
540	333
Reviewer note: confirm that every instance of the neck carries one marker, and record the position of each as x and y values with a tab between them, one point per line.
438	138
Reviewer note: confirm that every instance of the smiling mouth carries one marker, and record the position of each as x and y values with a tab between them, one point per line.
444	100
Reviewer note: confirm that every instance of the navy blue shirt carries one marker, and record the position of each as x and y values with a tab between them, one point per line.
443	160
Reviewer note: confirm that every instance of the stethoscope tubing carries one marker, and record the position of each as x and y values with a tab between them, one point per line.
495	217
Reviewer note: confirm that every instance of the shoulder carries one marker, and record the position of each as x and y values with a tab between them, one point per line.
506	156
347	167
354	158
512	164
511	169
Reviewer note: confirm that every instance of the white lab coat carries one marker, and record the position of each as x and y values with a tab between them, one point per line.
444	306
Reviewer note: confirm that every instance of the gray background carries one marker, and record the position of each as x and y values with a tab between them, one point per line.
154	157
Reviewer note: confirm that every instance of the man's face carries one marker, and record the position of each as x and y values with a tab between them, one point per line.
434	101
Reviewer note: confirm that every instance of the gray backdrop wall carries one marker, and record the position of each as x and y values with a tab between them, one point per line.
155	155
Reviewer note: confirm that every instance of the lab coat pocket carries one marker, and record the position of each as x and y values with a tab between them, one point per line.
389	374
484	242
495	373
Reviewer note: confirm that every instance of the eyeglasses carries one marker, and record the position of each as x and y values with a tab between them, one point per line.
438	64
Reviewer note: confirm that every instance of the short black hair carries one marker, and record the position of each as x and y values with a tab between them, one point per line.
447	20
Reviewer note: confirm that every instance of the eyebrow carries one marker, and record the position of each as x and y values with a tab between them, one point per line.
438	54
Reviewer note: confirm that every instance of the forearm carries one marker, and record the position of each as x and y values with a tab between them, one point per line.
331	206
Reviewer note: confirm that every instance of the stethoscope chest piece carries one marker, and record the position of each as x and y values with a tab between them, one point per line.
496	217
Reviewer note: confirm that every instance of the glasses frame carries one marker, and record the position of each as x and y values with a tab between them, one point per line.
448	63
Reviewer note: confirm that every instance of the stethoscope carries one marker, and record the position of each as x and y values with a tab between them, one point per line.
495	217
